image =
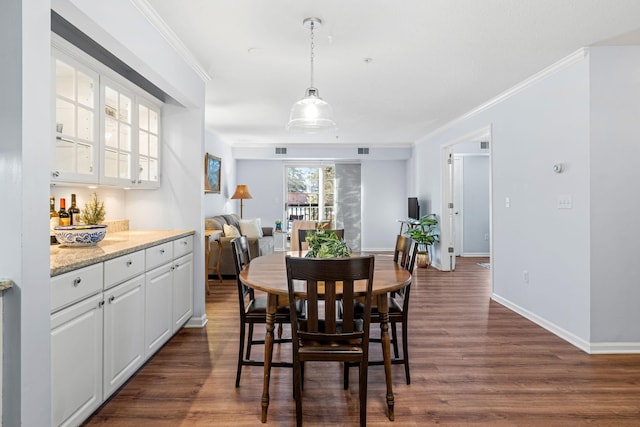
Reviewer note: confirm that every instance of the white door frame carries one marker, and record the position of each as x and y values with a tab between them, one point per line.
447	232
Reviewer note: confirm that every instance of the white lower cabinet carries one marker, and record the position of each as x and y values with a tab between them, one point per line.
158	321
76	368
182	291
124	307
109	318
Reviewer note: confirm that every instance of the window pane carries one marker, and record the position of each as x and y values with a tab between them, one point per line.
143	117
110	164
143	139
85	89
144	169
65	155
153	122
66	115
85	124
124	166
111	132
153	170
110	102
125	137
85	158
65	80
153	146
124	109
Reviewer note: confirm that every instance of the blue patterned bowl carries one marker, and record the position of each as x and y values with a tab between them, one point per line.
80	235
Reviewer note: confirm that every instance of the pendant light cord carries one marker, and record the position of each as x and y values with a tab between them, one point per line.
312	46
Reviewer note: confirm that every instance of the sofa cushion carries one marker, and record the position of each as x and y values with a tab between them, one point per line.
230	230
251	228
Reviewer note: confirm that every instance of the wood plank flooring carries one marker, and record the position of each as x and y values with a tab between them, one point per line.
473	363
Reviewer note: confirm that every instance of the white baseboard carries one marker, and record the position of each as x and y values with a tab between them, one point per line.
197	322
586	346
476	254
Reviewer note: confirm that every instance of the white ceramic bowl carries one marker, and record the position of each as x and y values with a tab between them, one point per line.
80	235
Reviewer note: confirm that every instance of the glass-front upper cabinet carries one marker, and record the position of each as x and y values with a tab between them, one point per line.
130	152
75	153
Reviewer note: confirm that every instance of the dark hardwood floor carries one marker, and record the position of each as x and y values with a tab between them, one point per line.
473	363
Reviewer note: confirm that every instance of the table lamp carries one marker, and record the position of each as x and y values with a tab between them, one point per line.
242	192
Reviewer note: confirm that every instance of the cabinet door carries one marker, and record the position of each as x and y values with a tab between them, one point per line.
75	134
147	168
76	361
182	291
123	332
158	325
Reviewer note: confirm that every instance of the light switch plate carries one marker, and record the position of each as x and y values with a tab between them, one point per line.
565	201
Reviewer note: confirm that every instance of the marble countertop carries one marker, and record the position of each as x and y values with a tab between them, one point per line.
64	259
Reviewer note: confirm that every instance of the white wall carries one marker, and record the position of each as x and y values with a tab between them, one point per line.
615	202
545	121
215	204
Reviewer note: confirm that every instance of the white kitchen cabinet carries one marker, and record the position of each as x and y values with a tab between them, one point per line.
124	307
76	361
158	322
75	134
130	152
182	291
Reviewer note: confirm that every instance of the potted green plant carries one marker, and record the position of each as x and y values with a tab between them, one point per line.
326	244
425	232
278	225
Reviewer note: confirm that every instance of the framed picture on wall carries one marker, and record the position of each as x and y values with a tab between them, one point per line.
212	166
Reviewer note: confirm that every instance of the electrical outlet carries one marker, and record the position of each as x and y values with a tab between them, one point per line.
565	201
486	236
525	277
507	202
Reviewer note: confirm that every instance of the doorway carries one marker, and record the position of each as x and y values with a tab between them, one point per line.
466	198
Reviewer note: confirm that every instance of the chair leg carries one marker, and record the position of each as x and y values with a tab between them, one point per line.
297	391
363	366
394	339
249	342
280	330
240	352
405	351
347	365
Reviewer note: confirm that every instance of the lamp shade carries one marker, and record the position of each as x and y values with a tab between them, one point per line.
242	192
311	114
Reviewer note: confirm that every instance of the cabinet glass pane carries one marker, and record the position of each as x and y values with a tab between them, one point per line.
143	117
85	158
85	89
125	137
65	155
110	164
85	124
153	170
66	115
153	146
124	166
111	132
144	169
153	121
124	109
143	140
65	80
110	102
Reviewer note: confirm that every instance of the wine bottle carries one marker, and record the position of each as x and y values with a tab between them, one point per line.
54	219
65	219
74	212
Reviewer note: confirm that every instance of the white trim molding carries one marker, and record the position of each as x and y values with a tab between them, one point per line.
197	322
170	36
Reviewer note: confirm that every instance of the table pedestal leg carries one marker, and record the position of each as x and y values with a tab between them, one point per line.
268	352
383	309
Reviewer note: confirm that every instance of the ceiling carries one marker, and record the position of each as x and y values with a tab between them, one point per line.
393	71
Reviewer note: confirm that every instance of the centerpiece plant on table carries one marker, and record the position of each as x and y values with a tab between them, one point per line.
326	244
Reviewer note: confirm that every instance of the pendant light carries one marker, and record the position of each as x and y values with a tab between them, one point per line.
311	114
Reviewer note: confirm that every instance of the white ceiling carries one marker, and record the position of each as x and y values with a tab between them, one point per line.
432	60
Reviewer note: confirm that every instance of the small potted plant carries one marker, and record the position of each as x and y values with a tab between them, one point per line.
278	225
425	232
326	244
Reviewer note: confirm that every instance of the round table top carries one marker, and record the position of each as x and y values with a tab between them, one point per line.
268	273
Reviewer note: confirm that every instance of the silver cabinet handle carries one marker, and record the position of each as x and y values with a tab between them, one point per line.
162	251
111	299
129	263
100	304
76	282
55	174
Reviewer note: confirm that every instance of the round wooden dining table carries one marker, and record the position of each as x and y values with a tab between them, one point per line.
268	273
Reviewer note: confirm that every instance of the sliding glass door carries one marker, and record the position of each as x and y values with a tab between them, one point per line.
310	192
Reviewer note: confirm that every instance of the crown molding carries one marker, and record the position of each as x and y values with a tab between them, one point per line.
565	62
167	33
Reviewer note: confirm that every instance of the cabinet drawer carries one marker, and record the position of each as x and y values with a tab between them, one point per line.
122	268
75	285
158	255
182	246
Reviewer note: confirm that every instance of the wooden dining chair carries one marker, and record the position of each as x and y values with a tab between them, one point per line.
302	236
404	254
323	335
253	310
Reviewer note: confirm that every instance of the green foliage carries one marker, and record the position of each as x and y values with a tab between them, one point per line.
93	212
326	244
425	230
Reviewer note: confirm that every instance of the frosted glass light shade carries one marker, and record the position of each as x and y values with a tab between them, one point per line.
311	114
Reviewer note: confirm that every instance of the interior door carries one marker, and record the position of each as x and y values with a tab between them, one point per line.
458	208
